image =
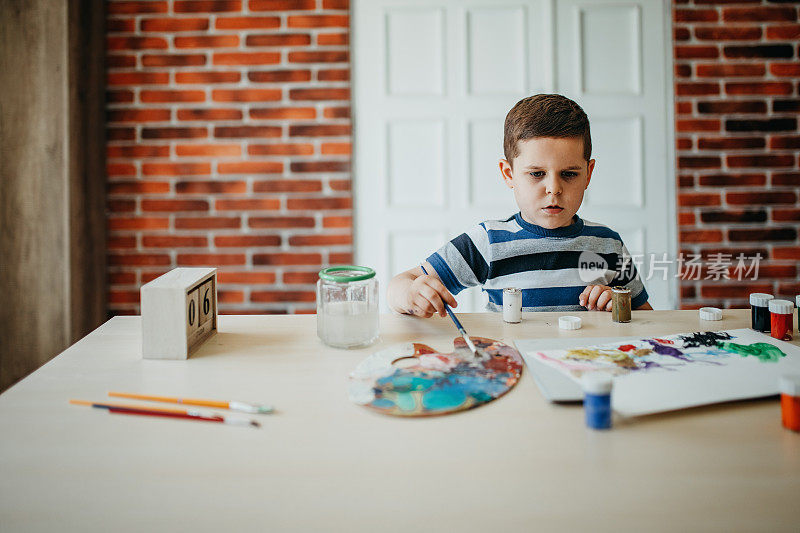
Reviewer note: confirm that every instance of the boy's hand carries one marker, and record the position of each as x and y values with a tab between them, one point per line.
427	295
596	297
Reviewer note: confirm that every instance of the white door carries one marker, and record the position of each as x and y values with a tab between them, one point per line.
433	81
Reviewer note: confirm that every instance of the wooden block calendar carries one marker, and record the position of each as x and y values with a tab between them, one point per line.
179	312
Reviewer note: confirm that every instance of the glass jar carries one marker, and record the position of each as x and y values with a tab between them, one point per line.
347	306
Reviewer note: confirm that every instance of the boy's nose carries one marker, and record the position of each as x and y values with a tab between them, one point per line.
552	186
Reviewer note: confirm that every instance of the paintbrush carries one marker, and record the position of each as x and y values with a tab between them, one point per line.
476	352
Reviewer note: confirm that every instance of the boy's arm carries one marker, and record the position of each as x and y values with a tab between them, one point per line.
414	293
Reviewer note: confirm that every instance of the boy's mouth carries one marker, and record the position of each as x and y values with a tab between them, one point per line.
552	209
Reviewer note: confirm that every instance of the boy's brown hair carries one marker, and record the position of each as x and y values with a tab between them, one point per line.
545	115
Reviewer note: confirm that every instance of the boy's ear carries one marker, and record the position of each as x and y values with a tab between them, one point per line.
589	171
507	173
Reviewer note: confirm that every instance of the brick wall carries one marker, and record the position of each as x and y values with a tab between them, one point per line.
737	98
229	142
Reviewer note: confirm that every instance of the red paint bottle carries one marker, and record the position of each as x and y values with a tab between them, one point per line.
789	387
780	316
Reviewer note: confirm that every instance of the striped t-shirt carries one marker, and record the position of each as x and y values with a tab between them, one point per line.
551	266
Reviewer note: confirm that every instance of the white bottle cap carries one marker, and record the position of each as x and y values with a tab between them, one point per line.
710	313
596	383
789	384
569	322
760	299
797	300
783	307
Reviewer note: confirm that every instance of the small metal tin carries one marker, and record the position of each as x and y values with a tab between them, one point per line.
621	306
512	305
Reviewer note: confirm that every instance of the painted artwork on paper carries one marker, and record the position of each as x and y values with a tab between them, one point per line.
415	380
669	372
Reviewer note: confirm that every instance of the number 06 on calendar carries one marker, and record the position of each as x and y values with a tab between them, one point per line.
179	312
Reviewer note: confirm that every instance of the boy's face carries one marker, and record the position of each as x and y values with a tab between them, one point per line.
548	177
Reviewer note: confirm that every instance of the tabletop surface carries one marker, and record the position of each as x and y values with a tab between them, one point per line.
321	463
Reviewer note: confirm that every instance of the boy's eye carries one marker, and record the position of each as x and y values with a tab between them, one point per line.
568	174
538	173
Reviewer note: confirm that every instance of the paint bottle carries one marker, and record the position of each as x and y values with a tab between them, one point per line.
797	305
621	304
512	305
597	399
759	311
780	317
789	387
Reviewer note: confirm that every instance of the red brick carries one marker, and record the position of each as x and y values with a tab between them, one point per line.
120	61
247	23
680	33
725	107
283	296
137	78
785	143
700	236
211	259
758	198
696	199
735	216
336	4
204	114
318	21
759	14
228	296
340	185
695	15
173	24
281	5
765	51
250	167
137	151
117	97
286	258
172	96
729	290
137	223
279	39
207	41
683	70
318	130
248	204
138	259
321	93
138	187
729	143
336	148
120	134
320	203
175	169
696	89
207	222
320	240
207	77
247	58
320	166
683	143
685	181
211	187
336	112
121	206
123	297
699	162
120	169
208	150
287	185
333	39
698	125
684	219
727	33
337	222
696	52
300	278
248	278
762	235
151	275
174	133
732	180
341	258
771	88
247	131
791	179
136	43
122	278
792	252
331	56
788	32
135	8
280	113
280	149
785	69
244	241
206	6
276	76
174	205
173	60
759	161
730	70
786	215
281	222
246	95
138	115
334	74
174	241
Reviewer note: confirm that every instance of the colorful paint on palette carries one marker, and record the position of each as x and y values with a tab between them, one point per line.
415	380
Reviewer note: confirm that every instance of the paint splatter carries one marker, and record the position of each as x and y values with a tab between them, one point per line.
667	350
706	338
618	357
764	352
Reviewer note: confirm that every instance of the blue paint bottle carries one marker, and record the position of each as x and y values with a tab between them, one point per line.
597	399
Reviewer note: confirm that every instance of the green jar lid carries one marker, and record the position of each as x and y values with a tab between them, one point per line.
345	273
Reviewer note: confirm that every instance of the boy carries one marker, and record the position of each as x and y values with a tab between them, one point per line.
548	166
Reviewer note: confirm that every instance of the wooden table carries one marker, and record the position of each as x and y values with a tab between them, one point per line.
322	463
